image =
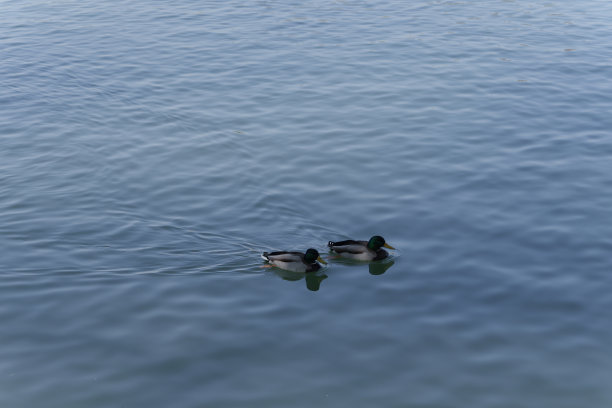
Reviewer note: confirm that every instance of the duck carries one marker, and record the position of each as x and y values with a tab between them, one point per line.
361	250
295	261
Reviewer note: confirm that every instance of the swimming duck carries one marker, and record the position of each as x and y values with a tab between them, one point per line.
295	261
361	250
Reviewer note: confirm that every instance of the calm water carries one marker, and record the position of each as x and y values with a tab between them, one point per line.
149	151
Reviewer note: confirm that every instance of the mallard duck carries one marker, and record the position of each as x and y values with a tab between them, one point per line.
295	261
361	250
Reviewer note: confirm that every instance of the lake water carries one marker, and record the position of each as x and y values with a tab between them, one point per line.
151	150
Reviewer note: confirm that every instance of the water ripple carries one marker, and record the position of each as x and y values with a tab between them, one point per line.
150	153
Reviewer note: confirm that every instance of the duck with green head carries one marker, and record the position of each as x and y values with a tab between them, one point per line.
361	250
295	261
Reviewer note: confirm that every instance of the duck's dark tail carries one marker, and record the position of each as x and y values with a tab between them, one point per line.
264	256
331	244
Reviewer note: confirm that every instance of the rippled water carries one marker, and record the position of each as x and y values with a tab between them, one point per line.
149	151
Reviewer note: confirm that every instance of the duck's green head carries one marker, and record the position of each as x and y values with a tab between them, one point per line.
376	242
312	255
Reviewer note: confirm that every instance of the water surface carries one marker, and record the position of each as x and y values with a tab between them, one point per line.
149	151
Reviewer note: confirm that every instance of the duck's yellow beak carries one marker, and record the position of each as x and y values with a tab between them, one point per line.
321	260
388	246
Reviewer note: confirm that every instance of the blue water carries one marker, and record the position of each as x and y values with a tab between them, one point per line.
150	150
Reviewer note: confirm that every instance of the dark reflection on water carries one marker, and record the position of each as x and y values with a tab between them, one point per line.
313	280
375	268
378	268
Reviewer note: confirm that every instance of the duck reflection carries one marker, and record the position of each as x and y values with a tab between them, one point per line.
378	268
375	267
313	280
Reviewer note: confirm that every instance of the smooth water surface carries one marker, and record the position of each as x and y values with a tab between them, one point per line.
150	150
